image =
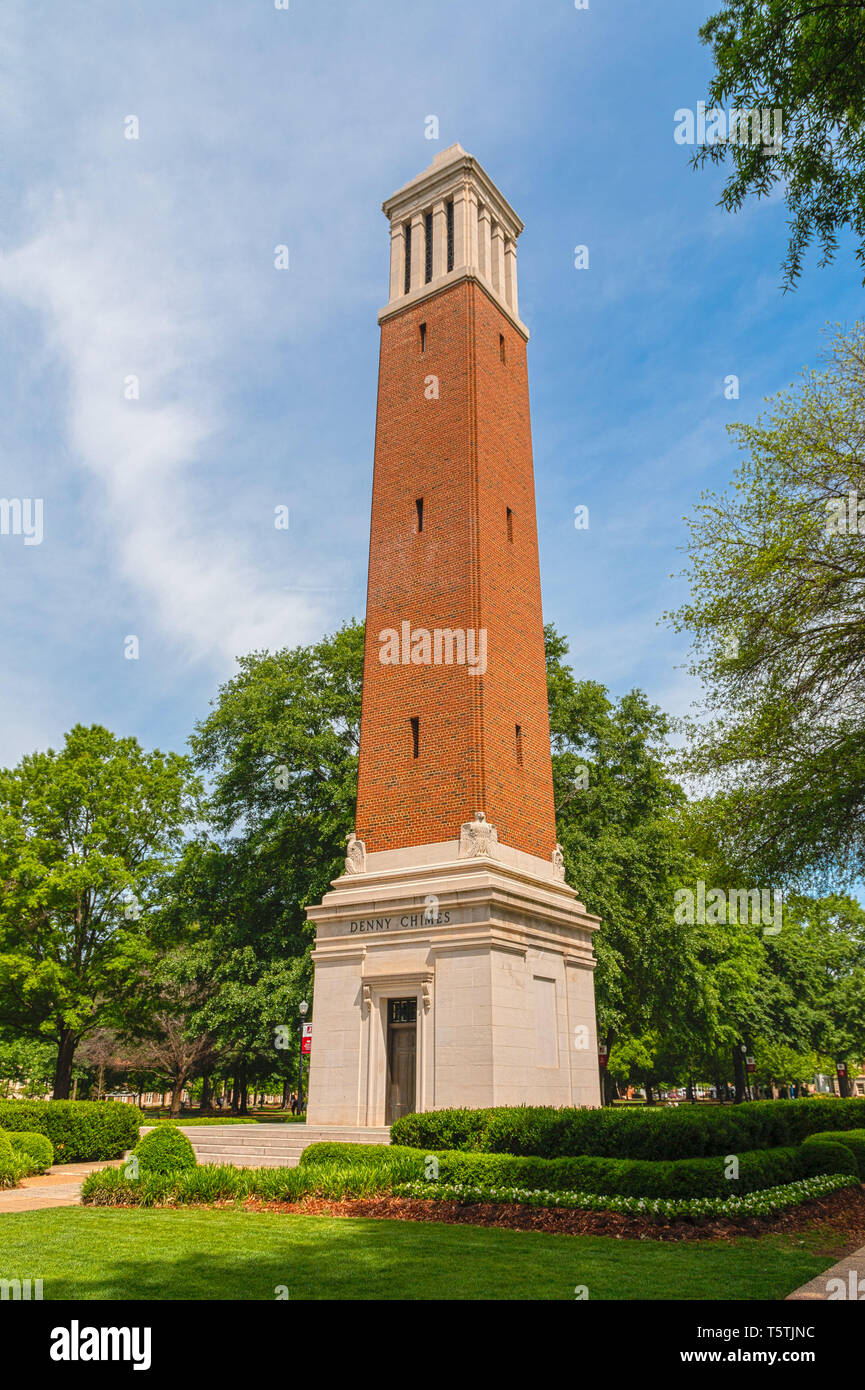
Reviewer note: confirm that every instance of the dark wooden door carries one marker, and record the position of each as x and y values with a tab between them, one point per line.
401	1070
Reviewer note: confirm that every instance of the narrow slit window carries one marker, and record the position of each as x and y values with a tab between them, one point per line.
423	337
407	258
502	354
519	744
510	521
450	224
428	230
415	737
418	502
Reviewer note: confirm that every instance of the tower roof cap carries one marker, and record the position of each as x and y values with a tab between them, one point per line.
450	169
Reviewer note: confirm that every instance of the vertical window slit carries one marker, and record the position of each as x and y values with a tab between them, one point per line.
407	257
423	337
450	223
510	521
428	230
519	744
415	737
502	347
419	505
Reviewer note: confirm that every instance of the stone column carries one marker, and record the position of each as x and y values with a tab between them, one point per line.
418	251
397	260
484	244
462	229
498	260
440	241
511	275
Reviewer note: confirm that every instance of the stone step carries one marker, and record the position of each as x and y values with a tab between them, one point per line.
271	1146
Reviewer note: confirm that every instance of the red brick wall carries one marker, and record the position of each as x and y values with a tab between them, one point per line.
469	455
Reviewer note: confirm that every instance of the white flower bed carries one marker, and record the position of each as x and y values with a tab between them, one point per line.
763	1203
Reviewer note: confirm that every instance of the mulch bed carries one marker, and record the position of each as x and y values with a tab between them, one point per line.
839	1217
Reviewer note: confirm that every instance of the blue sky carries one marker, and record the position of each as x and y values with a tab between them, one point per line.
154	257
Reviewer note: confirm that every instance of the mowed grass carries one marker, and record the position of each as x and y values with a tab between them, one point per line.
81	1253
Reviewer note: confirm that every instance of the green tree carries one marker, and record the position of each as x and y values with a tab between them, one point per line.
87	836
622	824
805	58
776	615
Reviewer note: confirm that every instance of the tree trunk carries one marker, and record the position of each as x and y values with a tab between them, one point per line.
689	1089
843	1084
176	1093
739	1073
63	1069
204	1104
286	1094
647	1085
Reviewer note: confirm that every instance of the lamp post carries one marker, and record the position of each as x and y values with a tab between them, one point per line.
303	1008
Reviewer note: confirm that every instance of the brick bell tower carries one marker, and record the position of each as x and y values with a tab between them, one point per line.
453	963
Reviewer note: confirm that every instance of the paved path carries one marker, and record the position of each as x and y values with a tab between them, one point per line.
850	1272
59	1187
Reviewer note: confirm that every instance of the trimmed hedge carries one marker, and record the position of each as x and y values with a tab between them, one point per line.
691	1177
685	1131
166	1150
79	1130
853	1139
36	1147
11	1167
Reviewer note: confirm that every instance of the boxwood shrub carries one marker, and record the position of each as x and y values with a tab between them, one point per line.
165	1150
853	1139
12	1169
79	1130
691	1177
37	1147
647	1132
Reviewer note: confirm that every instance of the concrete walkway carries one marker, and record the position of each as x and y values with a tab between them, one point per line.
59	1187
849	1275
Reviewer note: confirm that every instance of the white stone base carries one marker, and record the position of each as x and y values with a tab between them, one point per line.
500	964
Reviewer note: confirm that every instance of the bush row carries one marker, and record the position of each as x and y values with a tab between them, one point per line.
209	1183
79	1130
689	1177
663	1133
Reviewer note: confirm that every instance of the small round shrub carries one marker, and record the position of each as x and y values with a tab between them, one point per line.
165	1150
11	1167
852	1139
37	1147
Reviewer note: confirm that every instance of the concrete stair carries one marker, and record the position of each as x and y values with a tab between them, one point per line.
271	1146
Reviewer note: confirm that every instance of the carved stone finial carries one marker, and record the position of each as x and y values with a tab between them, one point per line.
355	862
477	837
558	864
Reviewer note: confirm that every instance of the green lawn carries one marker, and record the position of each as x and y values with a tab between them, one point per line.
227	1254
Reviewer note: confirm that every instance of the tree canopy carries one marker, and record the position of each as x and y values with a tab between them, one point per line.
805	58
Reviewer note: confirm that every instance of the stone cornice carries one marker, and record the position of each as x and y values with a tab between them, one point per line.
443	178
446	282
